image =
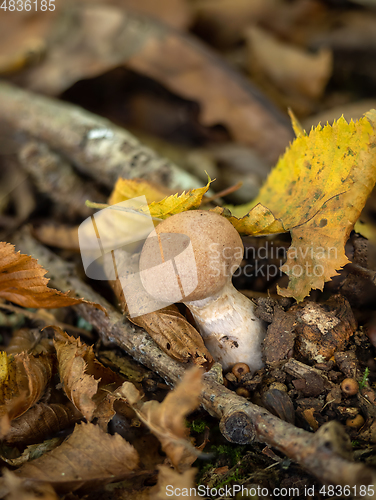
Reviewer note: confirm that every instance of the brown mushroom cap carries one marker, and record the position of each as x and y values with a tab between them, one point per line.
217	249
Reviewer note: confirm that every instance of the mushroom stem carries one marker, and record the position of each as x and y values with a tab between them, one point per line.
231	331
190	257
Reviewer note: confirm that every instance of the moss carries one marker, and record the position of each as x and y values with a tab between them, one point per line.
364	380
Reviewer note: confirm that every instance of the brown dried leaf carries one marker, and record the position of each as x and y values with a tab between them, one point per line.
30	340
60	236
169	477
20	491
224	21
175	335
166	420
23	380
87	459
40	421
22	281
29	453
103	38
291	69
87	383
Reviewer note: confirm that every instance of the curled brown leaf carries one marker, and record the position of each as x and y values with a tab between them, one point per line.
166	420
175	335
23	380
22	281
86	382
40	421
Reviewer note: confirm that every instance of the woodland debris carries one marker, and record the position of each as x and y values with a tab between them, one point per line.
323	329
324	454
94	145
103	38
279	341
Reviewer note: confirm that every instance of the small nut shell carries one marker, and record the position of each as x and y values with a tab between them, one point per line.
349	387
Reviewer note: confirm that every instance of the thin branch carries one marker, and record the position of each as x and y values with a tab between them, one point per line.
94	145
323	453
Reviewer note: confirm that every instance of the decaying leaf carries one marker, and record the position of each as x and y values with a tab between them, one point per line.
41	421
17	490
175	335
31	452
316	191
169	477
22	281
30	340
291	69
166	420
23	379
60	236
102	38
87	459
86	382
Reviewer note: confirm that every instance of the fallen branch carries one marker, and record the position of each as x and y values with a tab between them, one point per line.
94	145
325	454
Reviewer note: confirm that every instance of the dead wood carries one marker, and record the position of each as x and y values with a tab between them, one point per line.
94	145
326	454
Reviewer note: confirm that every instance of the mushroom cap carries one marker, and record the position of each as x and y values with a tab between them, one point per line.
190	256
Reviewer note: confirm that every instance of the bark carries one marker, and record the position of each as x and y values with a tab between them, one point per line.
326	454
94	145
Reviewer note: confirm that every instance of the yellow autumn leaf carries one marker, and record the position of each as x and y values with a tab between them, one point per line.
125	189
159	205
316	191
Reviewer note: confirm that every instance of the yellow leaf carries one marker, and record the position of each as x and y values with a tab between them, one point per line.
161	208
316	191
296	125
125	189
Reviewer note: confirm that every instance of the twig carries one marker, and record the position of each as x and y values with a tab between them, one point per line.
92	144
323	453
223	193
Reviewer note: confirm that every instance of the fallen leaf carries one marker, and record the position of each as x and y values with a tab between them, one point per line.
22	281
89	458
31	452
30	340
86	382
23	379
101	38
316	191
60	236
166	420
224	21
125	189
19	491
168	477
41	421
175	335
159	206
290	68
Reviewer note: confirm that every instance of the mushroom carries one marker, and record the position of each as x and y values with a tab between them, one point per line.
190	258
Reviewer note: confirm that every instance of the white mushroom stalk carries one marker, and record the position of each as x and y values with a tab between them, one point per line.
200	276
231	331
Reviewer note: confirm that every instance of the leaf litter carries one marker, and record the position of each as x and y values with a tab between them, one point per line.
306	369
